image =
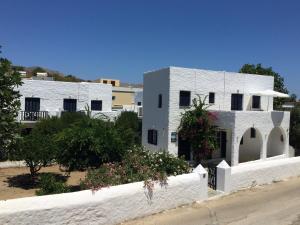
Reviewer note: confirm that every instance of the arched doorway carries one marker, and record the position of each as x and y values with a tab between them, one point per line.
276	142
250	145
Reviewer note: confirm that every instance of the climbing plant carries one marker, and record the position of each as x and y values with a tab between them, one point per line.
197	127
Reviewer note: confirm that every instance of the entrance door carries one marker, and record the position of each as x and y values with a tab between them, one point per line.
237	102
32	104
184	148
223	143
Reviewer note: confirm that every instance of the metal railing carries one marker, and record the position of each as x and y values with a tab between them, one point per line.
33	116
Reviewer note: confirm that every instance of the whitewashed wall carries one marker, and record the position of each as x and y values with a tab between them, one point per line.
153	117
256	173
107	206
52	93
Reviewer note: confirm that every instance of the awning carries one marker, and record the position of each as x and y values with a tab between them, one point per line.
271	93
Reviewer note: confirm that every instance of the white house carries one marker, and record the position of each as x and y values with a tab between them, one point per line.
41	98
249	127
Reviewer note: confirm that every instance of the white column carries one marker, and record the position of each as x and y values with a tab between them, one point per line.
235	145
263	152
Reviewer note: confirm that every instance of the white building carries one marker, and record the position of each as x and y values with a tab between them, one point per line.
249	128
40	98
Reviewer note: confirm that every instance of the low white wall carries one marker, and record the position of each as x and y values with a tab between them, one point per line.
256	173
106	206
9	164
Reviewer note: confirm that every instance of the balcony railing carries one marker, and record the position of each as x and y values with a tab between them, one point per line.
33	116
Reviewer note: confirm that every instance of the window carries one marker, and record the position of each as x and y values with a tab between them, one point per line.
113	98
253	132
104	81
237	102
184	98
96	105
139	103
152	137
256	102
281	138
242	141
113	83
160	101
70	105
32	104
211	99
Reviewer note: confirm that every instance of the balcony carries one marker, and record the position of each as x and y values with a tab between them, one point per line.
32	116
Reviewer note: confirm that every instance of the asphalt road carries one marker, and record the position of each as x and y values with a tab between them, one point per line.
274	204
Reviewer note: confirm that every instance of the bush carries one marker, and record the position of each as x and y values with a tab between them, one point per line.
129	125
89	143
138	165
50	185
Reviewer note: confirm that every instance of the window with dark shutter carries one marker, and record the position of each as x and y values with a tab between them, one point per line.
253	132
256	102
184	98
32	104
152	137
139	103
70	105
160	101
211	98
96	105
237	102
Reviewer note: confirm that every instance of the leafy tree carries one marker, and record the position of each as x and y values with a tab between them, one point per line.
295	128
9	106
278	79
129	125
197	126
89	143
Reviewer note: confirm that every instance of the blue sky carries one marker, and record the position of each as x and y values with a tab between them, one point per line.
122	39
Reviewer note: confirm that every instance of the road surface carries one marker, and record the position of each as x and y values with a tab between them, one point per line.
274	204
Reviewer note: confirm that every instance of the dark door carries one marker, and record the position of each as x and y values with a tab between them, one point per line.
32	104
223	144
236	102
184	148
70	105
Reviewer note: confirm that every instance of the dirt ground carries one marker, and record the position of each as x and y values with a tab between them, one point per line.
14	181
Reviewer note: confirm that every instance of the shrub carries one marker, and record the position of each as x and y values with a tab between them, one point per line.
50	185
197	126
89	143
129	125
138	165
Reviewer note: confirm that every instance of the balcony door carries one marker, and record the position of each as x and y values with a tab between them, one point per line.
237	102
70	105
32	104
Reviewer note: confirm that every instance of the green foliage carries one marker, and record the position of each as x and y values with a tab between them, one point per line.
50	185
89	143
295	128
9	107
197	126
138	165
68	78
129	125
278	80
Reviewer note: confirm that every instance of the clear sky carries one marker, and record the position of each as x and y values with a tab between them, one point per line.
122	39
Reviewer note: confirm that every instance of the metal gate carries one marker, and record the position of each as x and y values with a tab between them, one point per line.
212	177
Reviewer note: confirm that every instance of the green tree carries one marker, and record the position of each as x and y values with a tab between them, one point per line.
129	125
295	128
89	143
278	79
9	106
197	126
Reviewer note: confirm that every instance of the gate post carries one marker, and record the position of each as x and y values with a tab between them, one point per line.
224	177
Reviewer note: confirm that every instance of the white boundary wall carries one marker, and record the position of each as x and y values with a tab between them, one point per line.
9	164
106	206
256	173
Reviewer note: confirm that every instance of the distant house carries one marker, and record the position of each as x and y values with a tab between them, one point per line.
41	98
125	97
249	128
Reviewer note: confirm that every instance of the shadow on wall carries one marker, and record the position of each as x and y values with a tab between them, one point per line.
276	142
277	118
250	145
